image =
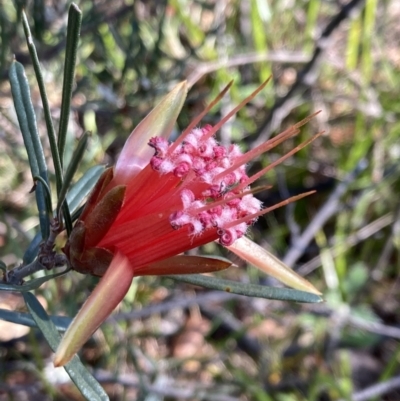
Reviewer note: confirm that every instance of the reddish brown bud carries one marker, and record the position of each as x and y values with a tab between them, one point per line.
103	215
98	192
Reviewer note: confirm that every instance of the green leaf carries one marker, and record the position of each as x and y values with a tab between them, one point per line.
31	284
27	122
76	159
75	196
73	31
25	319
86	383
71	170
83	187
77	193
46	107
47	197
33	249
249	290
67	218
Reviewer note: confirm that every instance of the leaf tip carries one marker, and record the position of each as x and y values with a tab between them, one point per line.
75	7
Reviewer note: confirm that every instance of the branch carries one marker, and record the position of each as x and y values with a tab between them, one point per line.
306	77
16	276
377	390
46	260
324	214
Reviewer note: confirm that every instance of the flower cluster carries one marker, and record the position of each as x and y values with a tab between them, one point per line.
162	199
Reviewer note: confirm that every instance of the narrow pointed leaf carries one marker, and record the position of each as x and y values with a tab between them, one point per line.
75	196
81	189
73	31
33	249
31	284
47	197
249	290
25	319
67	218
27	122
25	111
46	107
86	383
72	168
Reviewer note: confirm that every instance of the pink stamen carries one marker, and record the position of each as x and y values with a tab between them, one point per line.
256	176
237	108
269	209
266	146
197	119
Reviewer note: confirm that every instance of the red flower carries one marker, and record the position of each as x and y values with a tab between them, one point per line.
161	200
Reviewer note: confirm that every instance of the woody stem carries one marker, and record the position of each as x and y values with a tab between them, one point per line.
47	259
16	276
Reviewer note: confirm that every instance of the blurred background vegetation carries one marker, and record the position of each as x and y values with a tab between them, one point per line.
170	341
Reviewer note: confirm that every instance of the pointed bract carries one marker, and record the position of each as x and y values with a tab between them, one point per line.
136	153
108	293
270	264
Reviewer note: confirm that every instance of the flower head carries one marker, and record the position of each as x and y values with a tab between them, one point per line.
161	200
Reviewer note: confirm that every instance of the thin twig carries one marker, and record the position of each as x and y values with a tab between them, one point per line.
376	390
290	220
350	241
306	77
46	260
228	326
177	302
349	319
378	271
374	327
246	58
323	215
170	388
